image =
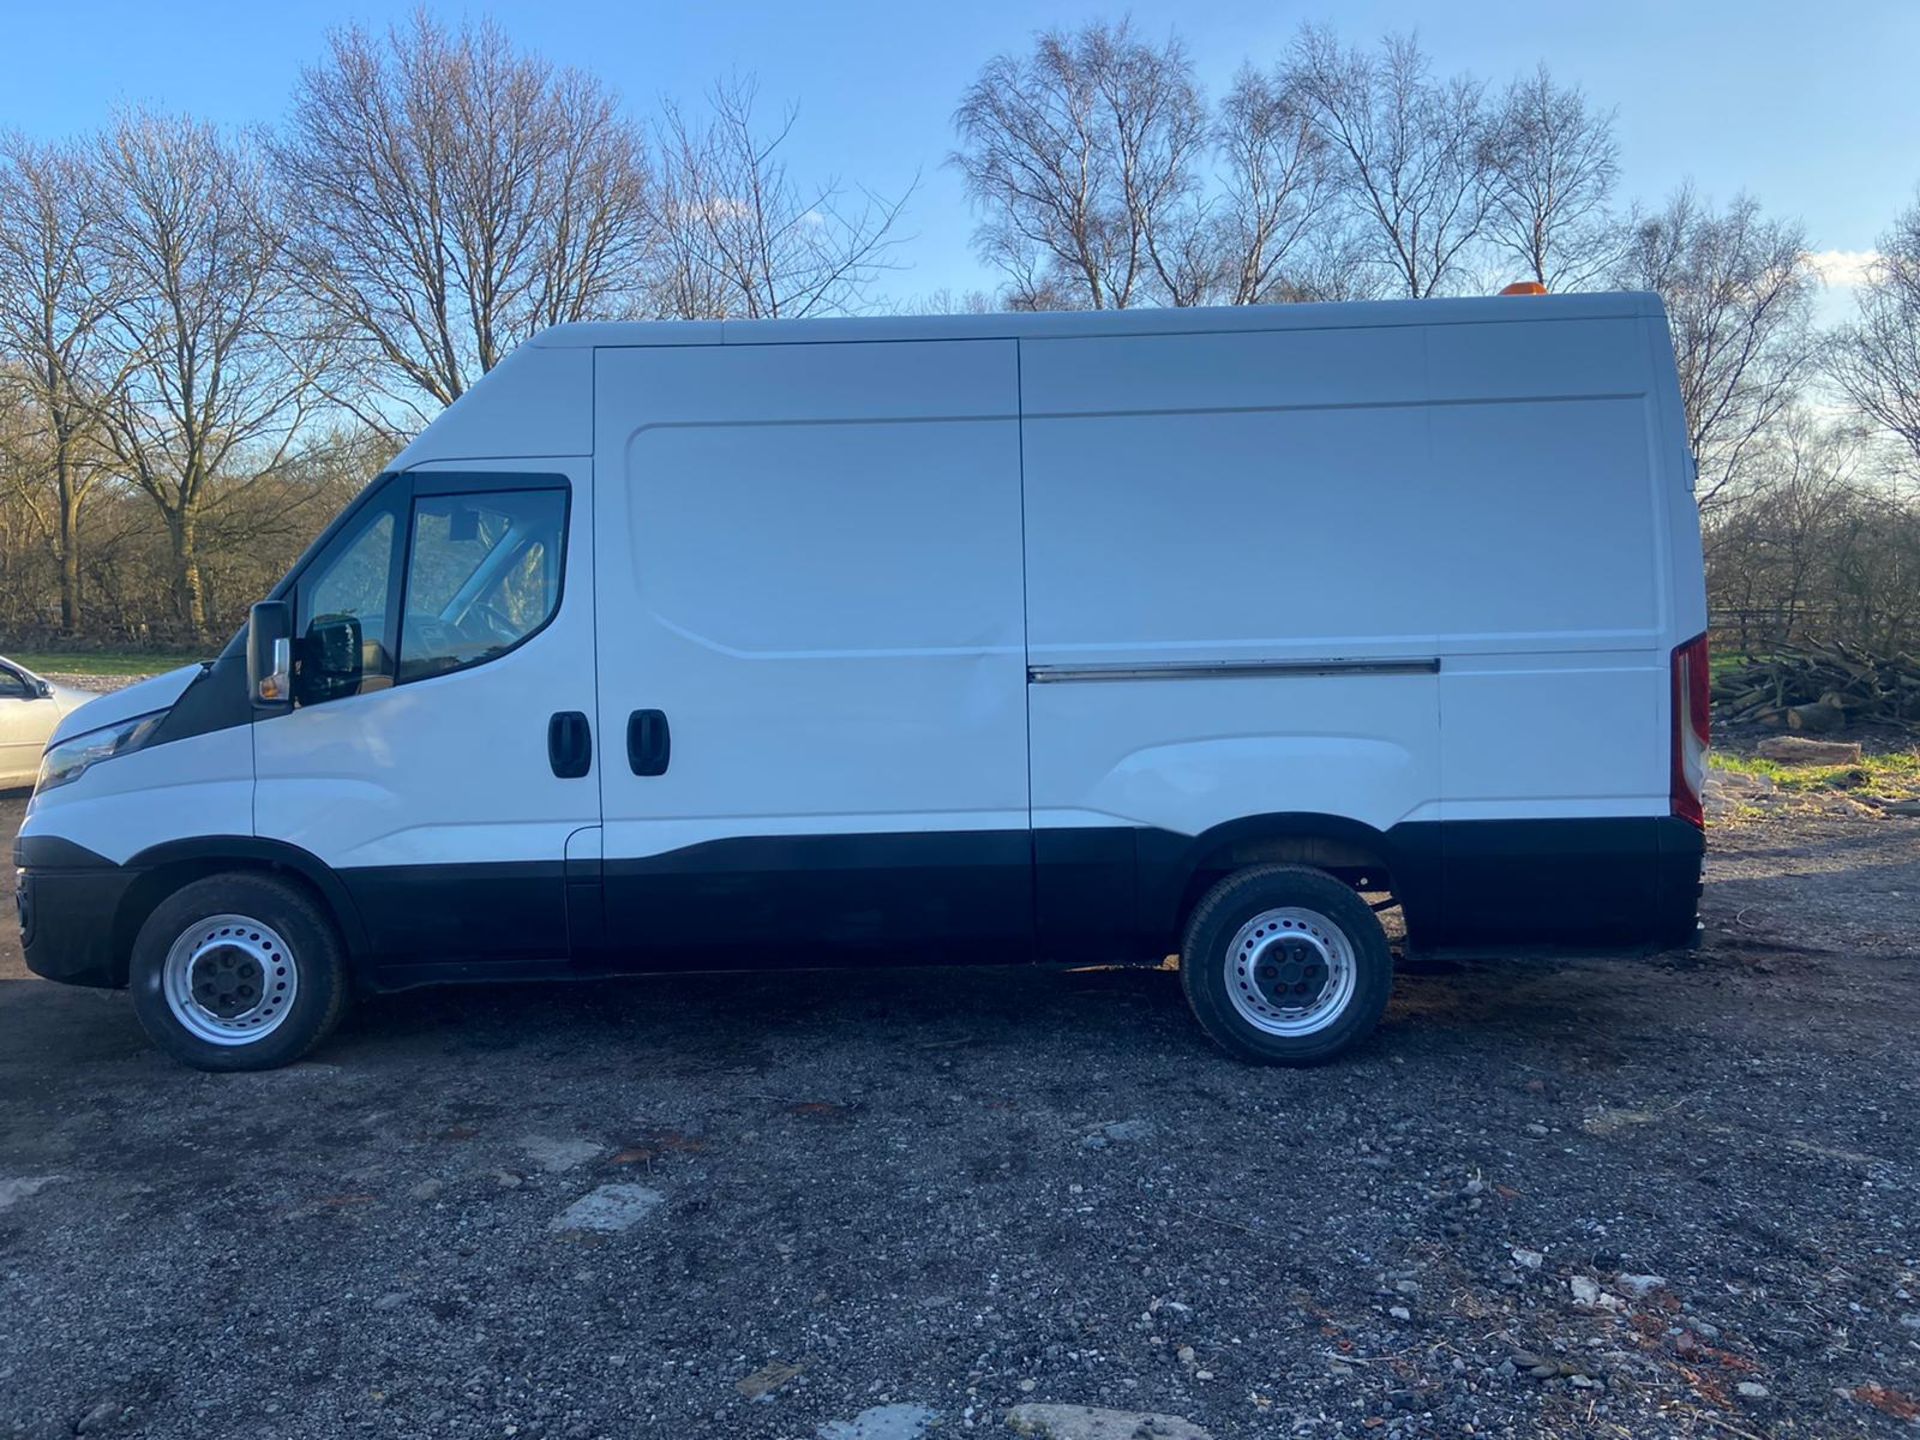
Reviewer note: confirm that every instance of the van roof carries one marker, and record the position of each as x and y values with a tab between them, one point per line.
1621	304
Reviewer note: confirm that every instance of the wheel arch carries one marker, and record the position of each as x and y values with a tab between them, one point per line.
165	868
1182	869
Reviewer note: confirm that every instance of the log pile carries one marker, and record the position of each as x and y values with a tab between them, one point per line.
1817	688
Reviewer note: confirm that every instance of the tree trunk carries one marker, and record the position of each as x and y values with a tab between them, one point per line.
183	527
69	586
69	550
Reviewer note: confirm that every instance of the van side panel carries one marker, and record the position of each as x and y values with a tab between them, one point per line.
1199	503
1552	700
1554	719
1557	649
1227	513
810	568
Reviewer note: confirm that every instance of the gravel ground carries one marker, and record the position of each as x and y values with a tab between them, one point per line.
1674	1196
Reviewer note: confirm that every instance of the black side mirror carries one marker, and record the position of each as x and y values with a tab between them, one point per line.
43	689
270	655
330	659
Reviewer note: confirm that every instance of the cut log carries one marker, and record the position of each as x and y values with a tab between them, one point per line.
1798	750
1817	717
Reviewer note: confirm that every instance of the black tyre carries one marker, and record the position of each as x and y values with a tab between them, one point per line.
1285	965
238	971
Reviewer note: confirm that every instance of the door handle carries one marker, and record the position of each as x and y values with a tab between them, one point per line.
569	744
649	742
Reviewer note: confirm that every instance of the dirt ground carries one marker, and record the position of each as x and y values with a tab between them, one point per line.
1674	1196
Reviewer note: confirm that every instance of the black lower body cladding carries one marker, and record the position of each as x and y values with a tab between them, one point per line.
1622	882
1626	881
67	899
1110	893
66	923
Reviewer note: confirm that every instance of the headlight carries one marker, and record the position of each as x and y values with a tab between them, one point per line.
73	757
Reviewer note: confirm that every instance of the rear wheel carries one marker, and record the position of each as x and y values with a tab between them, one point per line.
1285	965
238	972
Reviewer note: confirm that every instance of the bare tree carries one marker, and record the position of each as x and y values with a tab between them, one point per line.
1877	358
206	323
1410	149
1553	165
1738	289
947	301
455	195
736	235
1812	541
1081	160
53	300
1278	227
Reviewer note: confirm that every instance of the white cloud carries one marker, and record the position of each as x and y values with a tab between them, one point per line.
1844	269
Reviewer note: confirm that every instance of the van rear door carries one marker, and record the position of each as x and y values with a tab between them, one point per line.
812	664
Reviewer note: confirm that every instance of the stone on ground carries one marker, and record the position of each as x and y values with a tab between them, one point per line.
1085	1422
556	1156
767	1379
610	1209
882	1422
1728	790
12	1192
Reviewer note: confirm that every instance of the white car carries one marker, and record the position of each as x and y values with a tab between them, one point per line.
29	709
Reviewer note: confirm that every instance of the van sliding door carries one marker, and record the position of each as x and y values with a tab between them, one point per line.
811	653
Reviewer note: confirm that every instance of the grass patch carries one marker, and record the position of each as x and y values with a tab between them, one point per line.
1894	774
104	662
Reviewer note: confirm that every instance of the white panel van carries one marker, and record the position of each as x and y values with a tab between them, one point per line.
1071	638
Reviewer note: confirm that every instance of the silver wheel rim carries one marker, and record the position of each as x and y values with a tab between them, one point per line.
230	980
1290	971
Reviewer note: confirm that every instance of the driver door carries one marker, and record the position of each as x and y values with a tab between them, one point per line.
424	774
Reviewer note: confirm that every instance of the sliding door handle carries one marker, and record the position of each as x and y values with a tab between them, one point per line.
649	742
569	744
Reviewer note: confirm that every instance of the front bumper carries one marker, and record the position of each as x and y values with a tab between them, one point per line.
66	914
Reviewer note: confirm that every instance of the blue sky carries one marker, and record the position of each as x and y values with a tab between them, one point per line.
1812	110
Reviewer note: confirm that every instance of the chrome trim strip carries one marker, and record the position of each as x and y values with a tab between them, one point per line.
1226	669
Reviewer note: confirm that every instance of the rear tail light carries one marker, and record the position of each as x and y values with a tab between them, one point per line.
1690	730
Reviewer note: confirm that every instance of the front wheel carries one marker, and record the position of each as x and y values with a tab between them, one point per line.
1285	965
238	971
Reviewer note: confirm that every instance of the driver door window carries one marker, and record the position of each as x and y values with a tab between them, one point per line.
421	589
483	576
